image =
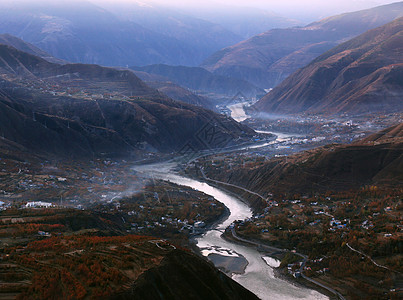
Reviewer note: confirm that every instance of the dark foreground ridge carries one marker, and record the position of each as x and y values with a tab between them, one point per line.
184	276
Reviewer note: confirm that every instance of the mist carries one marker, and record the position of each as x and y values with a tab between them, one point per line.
303	10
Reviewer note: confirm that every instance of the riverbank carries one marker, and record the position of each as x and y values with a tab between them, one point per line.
258	276
282	272
230	265
255	205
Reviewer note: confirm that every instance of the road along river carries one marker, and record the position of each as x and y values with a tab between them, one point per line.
258	276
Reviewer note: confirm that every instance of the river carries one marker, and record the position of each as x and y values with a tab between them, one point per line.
237	111
258	276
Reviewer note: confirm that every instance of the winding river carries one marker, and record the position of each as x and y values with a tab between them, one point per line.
258	276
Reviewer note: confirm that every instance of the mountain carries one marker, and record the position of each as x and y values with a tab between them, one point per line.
181	275
174	91
268	58
203	36
375	160
79	31
243	21
177	92
91	77
7	39
84	110
359	76
199	79
391	134
82	32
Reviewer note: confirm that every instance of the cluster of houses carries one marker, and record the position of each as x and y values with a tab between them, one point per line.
38	204
294	269
44	233
196	228
336	224
3	205
367	224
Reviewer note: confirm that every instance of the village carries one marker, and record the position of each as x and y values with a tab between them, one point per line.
68	85
141	206
326	226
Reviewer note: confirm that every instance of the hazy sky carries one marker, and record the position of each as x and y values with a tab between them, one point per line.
263	3
302	9
266	3
289	8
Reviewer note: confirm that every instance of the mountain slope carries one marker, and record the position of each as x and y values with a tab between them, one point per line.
19	44
79	31
88	254
361	75
203	36
85	110
178	93
193	276
199	79
376	160
244	21
266	59
17	63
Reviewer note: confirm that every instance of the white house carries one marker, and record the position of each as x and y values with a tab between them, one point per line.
36	204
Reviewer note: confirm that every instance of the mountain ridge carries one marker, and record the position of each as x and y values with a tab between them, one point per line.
86	33
375	160
359	76
86	110
268	58
199	79
19	44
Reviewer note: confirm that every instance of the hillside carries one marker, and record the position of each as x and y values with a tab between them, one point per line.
179	93
391	134
9	40
359	76
18	63
268	58
199	79
79	31
243	21
65	253
87	110
376	160
195	278
199	34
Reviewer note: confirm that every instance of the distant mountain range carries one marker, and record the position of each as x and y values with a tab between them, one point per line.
268	58
85	110
199	79
362	75
171	90
79	31
243	21
202	36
